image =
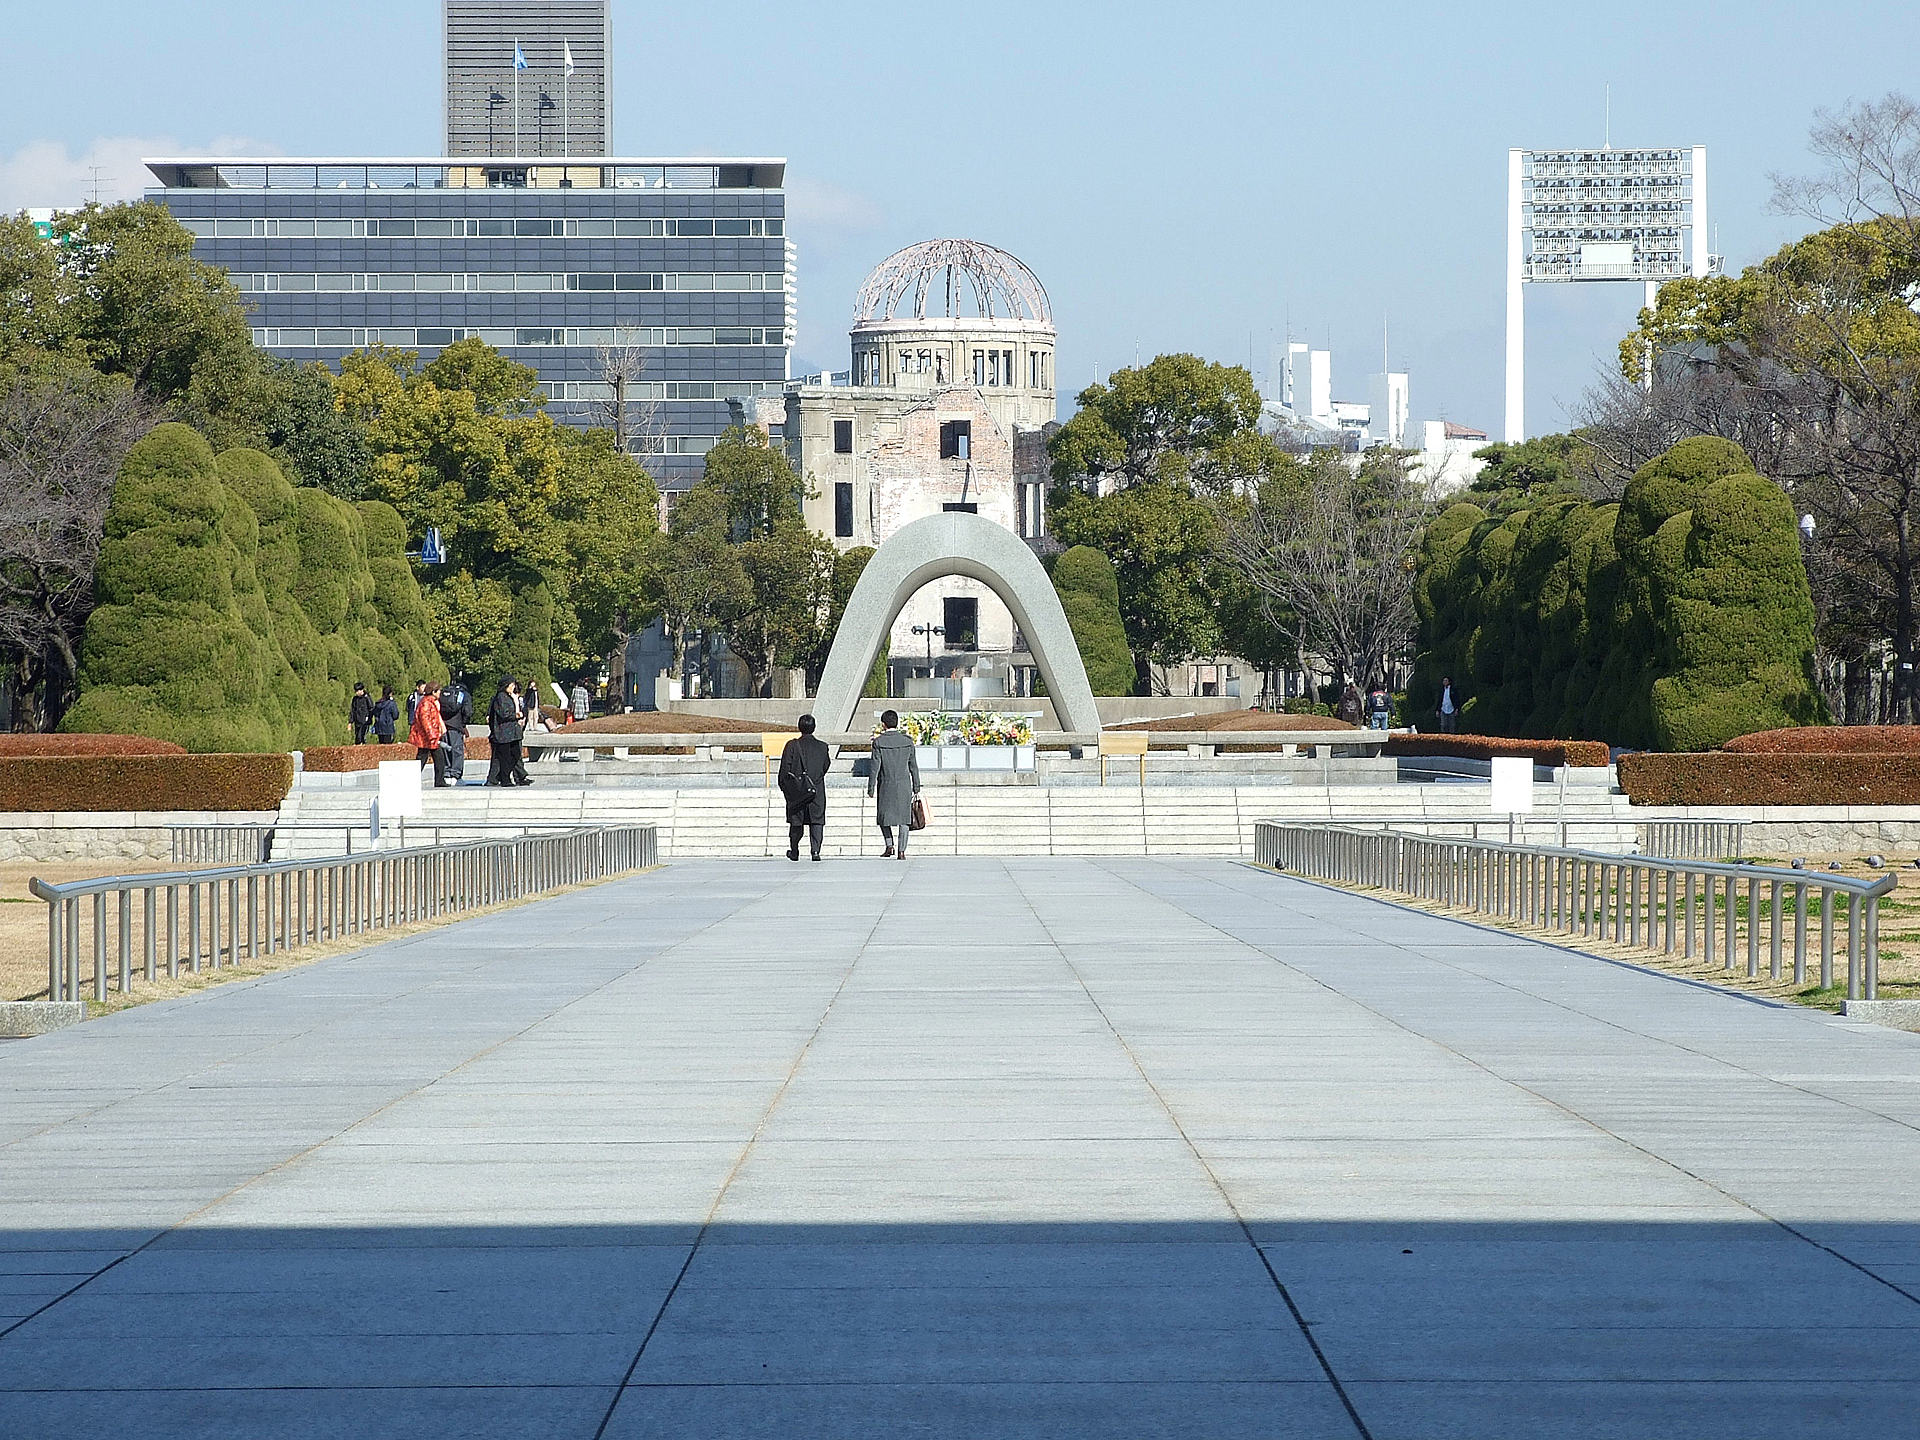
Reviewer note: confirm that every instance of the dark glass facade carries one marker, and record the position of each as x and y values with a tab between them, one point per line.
679	270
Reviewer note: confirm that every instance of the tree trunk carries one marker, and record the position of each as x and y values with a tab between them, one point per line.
1856	690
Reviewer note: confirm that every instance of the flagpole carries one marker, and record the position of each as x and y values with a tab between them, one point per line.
516	99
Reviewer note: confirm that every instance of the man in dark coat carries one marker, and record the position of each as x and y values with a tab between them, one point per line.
360	714
803	780
503	727
386	715
456	713
893	779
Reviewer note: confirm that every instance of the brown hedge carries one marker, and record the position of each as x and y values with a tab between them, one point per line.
1580	754
144	782
339	759
1720	778
87	745
1829	740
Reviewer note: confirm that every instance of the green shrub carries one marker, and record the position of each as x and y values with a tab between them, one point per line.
524	650
1090	595
1675	620
236	613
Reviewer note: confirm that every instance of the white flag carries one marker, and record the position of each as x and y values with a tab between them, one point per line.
567	51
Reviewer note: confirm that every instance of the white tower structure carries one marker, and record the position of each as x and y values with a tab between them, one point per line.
1604	214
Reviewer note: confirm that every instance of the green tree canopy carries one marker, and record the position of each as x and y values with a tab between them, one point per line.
1090	595
1176	418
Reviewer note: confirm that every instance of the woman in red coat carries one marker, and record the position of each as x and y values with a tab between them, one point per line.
426	734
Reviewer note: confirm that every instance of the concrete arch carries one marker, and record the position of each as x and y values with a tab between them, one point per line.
931	548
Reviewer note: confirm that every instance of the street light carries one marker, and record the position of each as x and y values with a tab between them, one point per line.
1806	526
929	631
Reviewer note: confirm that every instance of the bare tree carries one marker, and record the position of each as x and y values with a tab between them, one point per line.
1872	167
629	408
1332	546
62	439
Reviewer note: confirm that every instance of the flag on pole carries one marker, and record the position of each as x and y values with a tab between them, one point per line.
566	51
519	57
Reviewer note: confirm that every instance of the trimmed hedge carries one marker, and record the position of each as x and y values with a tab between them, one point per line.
1829	740
341	759
1673	620
1771	779
86	745
144	782
1581	754
1090	595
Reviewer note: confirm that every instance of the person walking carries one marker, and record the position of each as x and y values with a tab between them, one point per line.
534	721
893	780
386	715
582	703
360	713
1379	708
1449	707
1349	707
504	728
428	730
413	700
456	713
803	780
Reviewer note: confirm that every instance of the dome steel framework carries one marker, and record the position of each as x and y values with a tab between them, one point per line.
942	273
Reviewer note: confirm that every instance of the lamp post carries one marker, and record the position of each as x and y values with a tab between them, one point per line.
494	101
929	631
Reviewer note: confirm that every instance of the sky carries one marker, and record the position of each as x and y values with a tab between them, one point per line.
1203	177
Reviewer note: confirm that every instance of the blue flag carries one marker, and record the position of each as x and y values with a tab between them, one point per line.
519	57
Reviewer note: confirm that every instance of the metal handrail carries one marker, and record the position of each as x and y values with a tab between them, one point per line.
287	904
1669	839
251	841
1602	895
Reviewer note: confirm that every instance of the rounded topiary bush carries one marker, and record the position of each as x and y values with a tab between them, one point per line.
1090	594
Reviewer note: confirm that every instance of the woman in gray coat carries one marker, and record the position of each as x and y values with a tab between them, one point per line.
893	779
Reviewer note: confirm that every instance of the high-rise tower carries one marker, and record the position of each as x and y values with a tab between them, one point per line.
528	77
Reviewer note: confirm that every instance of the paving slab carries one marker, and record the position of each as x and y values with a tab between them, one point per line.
976	1147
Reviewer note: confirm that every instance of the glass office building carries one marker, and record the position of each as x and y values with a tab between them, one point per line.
676	276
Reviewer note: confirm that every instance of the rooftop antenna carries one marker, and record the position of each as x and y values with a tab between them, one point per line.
97	178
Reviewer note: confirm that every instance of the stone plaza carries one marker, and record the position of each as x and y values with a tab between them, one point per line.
967	1147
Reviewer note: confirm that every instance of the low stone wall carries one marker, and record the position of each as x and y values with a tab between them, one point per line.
1828	830
106	835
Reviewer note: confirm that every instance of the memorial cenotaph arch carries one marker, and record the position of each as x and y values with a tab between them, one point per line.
931	548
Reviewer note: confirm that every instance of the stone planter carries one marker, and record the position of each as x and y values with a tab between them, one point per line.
975	757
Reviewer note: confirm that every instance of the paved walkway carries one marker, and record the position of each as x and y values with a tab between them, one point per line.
958	1148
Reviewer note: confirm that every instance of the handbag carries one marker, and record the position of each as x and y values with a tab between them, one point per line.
917	816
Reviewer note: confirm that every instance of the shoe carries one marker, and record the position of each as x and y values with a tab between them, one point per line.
901	856
816	857
793	852
441	785
887	854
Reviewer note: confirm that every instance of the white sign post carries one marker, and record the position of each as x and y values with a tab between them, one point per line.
1512	788
399	793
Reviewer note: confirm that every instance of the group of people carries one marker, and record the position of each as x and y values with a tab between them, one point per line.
438	717
893	784
1377	708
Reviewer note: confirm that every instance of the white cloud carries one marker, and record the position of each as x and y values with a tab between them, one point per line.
817	205
42	173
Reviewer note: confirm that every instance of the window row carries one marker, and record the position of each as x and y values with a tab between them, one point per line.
991	368
638	390
460	229
503	283
405	337
562	174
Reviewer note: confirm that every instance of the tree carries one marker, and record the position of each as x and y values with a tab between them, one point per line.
1176	419
1546	466
316	441
830	607
64	432
1333	547
608	513
1676	618
1819	346
741	559
1090	596
1163	543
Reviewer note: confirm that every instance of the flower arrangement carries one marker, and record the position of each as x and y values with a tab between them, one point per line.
965	727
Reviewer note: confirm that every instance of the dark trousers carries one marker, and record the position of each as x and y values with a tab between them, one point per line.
439	759
506	760
360	731
793	835
1449	724
456	748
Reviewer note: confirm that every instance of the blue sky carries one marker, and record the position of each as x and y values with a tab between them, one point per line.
1182	177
